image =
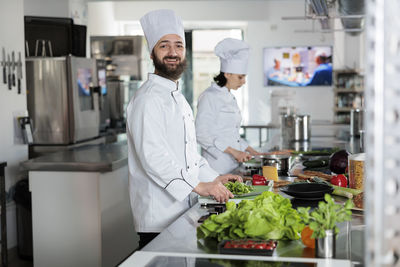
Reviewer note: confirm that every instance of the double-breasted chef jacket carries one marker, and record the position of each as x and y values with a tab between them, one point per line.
217	127
164	164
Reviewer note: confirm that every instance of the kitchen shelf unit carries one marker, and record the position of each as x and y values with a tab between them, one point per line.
348	94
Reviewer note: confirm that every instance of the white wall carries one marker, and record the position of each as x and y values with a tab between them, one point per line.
12	39
264	27
46	8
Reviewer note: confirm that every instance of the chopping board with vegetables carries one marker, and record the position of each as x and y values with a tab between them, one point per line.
251	195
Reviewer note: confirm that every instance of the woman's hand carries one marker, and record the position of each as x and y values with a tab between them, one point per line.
253	152
215	189
240	156
229	177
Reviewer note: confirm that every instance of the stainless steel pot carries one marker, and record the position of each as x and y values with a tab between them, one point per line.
295	127
280	162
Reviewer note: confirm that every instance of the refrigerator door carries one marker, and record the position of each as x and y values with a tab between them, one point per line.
47	100
84	104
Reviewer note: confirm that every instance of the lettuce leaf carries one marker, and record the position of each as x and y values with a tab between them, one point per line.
268	216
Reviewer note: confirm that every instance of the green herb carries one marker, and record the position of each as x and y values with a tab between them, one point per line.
238	188
268	216
326	216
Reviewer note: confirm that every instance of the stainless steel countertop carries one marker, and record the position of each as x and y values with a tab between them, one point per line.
180	237
94	158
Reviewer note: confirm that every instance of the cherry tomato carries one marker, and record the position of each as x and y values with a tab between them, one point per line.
260	246
227	245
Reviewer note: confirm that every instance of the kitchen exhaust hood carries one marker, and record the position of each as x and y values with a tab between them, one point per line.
351	13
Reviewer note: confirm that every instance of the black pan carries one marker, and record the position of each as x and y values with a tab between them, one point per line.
307	190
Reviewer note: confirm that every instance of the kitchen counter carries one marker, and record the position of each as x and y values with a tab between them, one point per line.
349	245
81	214
94	158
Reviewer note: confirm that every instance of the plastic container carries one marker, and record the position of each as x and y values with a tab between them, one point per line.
247	247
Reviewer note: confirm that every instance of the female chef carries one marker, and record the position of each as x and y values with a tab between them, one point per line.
218	115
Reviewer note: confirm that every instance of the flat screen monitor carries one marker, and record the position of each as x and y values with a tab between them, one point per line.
102	81
297	66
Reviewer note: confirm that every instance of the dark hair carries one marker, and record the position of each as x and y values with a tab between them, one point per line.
220	79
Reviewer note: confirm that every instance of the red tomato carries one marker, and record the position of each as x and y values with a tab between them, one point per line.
339	180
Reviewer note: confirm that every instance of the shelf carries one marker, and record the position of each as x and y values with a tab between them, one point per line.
348	91
347	109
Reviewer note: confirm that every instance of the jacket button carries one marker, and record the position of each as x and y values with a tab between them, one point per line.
238	141
188	167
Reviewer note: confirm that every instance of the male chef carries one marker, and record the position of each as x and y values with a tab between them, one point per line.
164	165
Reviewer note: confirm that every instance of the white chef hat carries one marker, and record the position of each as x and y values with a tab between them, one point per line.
159	23
234	55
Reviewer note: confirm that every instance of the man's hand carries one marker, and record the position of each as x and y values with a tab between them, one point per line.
229	177
240	156
215	189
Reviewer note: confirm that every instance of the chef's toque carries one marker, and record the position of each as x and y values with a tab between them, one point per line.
234	55
159	23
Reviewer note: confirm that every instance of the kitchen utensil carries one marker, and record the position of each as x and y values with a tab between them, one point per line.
279	161
307	190
9	72
326	247
19	72
257	189
4	65
13	64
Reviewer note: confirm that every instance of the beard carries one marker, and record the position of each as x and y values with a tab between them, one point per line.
167	71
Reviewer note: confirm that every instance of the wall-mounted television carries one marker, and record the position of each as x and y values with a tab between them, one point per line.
297	66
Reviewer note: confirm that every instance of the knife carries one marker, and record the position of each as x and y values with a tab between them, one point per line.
13	64
3	63
9	71
19	72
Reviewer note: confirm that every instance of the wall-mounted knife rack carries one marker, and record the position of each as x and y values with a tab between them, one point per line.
11	69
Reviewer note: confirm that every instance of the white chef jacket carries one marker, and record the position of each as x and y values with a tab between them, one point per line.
164	165
217	127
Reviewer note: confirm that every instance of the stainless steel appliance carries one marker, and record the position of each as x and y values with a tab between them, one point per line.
356	122
126	63
61	103
295	127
